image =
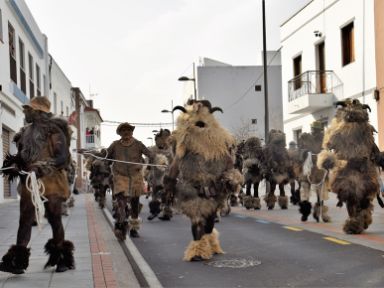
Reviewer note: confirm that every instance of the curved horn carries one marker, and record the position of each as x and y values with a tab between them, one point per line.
216	109
365	106
179	108
341	103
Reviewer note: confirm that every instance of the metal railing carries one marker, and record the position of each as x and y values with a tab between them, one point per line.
314	82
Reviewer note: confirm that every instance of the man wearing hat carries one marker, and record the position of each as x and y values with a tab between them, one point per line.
128	182
43	148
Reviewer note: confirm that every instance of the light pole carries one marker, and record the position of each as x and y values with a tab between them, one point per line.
265	77
185	78
170	111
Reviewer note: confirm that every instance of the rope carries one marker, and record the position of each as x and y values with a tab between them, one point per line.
126	162
37	189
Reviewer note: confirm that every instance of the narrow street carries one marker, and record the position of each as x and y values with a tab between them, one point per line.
267	249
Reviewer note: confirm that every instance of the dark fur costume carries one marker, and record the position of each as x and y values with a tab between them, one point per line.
350	154
277	168
252	171
43	147
162	155
100	177
202	174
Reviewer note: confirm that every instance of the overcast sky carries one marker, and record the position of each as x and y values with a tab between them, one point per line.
131	52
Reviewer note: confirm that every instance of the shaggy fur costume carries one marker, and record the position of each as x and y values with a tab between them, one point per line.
202	174
350	158
277	168
253	157
43	147
163	155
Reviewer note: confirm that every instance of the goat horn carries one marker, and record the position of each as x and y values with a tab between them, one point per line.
216	109
179	108
365	106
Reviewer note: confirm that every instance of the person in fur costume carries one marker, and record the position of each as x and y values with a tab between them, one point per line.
162	155
350	155
277	168
128	181
99	176
43	147
310	175
253	157
294	153
202	174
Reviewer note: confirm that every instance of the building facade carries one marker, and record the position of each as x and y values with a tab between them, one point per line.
379	45
335	60
239	91
23	74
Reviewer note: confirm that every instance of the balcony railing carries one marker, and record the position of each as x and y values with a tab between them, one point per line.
314	82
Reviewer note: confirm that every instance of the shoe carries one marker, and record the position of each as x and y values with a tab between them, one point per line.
61	268
134	234
165	218
151	217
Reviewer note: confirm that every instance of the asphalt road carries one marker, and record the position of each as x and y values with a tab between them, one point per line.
259	253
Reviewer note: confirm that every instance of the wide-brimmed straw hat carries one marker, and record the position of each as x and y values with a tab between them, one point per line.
40	103
124	126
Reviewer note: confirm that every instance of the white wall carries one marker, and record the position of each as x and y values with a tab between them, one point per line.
232	88
328	17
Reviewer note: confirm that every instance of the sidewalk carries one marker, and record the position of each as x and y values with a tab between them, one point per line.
98	255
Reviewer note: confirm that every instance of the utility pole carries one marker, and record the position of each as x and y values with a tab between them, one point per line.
265	78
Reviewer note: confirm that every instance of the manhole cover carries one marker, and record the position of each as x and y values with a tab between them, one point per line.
234	263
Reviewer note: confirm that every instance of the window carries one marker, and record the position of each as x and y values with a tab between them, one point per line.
348	44
66	111
38	84
45	85
1	26
12	52
30	70
23	83
61	108
297	72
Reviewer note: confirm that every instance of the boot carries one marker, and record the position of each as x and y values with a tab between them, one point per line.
134	224
248	202
16	260
283	202
120	230
305	210
154	209
316	212
256	203
66	261
324	214
270	200
51	249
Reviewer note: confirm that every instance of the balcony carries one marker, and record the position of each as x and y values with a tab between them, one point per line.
312	91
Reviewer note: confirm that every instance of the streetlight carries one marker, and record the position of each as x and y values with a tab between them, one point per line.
170	111
185	78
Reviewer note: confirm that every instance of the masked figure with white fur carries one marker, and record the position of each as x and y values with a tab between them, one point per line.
202	174
43	147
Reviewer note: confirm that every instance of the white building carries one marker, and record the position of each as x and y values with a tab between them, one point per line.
23	73
328	54
239	91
